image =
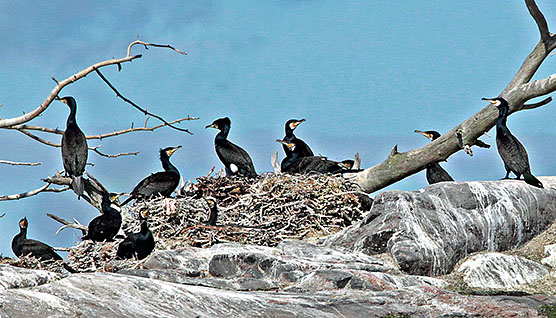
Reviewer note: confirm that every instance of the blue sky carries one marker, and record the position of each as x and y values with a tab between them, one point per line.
363	74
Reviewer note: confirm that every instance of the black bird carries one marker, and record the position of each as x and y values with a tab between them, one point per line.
510	149
213	213
296	164
235	159
105	226
163	182
302	147
21	245
435	173
139	244
74	148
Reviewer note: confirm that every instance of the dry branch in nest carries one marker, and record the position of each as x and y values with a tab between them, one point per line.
262	211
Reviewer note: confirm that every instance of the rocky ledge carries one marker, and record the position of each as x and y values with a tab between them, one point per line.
373	268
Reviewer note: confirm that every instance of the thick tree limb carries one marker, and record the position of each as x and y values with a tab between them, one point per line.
7	122
14	163
398	166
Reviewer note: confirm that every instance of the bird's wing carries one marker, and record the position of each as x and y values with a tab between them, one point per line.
162	181
39	250
230	153
74	152
515	155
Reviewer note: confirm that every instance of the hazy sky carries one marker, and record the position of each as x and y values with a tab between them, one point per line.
364	74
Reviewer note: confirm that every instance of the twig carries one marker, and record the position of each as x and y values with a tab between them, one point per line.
14	163
66	224
138	42
144	111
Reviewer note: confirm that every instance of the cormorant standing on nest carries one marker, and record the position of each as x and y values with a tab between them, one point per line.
510	149
435	173
21	245
301	146
139	244
235	159
74	148
213	213
296	164
105	226
163	182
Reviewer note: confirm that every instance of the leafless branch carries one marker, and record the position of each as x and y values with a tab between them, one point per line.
7	122
44	188
517	93
539	19
135	129
95	148
144	111
138	42
14	163
66	224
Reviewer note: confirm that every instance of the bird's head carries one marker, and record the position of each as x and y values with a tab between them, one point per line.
498	101
293	123
168	151
220	123
23	223
211	202
430	134
68	100
348	164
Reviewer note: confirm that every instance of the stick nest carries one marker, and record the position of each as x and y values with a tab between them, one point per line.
260	211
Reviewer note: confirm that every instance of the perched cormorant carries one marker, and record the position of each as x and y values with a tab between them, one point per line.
302	147
235	159
510	149
292	163
213	213
74	148
435	173
163	182
139	244
21	245
105	226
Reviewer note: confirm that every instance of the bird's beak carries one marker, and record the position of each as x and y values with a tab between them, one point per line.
63	100
490	100
295	124
171	151
429	136
289	145
212	126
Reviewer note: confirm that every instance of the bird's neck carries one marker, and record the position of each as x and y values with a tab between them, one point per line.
71	118
22	234
502	117
223	134
166	165
144	227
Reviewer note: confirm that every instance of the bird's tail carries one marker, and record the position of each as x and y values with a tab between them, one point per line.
69	268
77	185
530	179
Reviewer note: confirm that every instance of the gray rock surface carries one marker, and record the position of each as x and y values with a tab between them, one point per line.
310	281
496	270
550	259
429	230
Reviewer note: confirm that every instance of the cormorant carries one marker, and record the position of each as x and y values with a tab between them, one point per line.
302	147
295	164
435	173
235	159
139	244
213	213
510	149
163	182
21	245
74	148
105	226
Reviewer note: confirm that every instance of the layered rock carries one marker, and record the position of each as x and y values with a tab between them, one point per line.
429	230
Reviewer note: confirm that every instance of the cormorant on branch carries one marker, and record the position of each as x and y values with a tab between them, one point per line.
74	148
510	149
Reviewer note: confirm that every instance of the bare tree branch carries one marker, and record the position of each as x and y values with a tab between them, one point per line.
398	166
144	111
7	122
44	188
539	19
66	224
138	42
14	163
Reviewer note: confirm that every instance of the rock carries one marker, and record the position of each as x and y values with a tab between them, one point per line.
550	260
496	270
16	277
429	230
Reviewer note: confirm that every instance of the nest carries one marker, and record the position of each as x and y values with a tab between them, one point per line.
261	211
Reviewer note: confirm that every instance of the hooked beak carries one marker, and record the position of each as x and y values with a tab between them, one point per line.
171	151
429	136
211	126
